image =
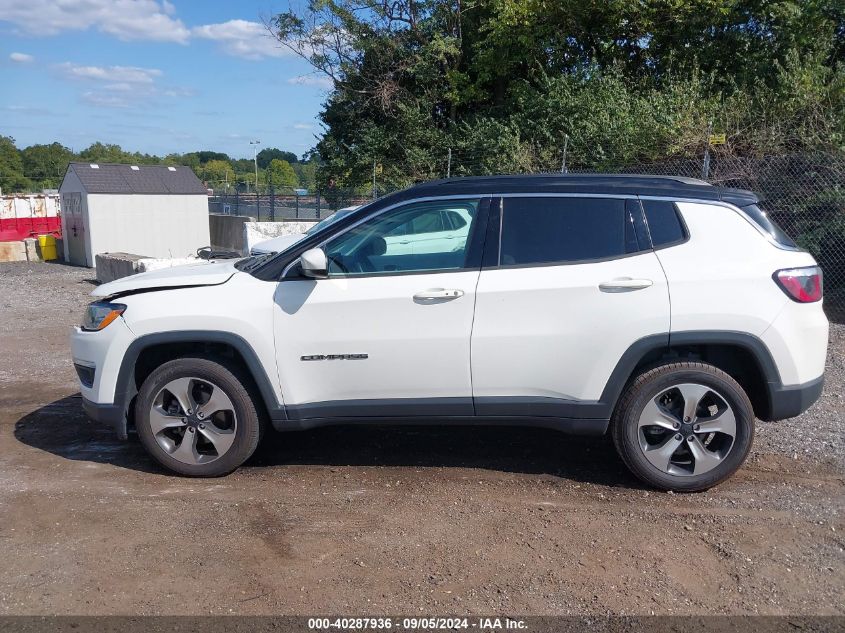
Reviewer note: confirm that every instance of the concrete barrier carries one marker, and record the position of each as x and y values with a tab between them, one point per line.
255	232
12	252
227	231
111	266
33	253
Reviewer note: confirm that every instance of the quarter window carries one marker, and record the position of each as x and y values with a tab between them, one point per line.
414	238
664	223
564	230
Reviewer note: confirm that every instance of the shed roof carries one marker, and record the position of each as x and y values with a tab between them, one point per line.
137	179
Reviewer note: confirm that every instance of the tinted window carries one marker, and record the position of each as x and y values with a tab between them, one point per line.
456	219
540	230
407	239
664	223
431	221
768	225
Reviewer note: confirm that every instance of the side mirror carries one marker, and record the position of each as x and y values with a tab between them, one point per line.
314	263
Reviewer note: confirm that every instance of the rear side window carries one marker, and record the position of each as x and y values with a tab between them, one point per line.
563	230
762	219
664	223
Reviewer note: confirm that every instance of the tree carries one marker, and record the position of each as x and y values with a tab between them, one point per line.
205	156
306	173
503	84
45	165
216	172
12	177
269	153
280	174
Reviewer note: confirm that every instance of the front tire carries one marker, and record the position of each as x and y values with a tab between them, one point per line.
683	426
196	417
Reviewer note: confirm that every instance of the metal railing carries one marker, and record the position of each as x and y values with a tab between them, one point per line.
275	205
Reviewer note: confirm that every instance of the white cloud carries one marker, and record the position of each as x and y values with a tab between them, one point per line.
21	58
311	80
242	38
303	126
108	100
120	76
124	19
120	86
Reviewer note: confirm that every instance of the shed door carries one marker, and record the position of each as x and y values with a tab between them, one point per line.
75	228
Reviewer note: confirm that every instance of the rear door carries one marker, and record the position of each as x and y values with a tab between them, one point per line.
571	285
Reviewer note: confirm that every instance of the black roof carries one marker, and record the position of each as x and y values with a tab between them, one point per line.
616	184
137	179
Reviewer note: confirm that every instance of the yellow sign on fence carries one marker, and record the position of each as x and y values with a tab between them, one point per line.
717	139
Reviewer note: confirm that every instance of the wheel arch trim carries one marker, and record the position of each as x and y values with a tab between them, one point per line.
125	388
634	355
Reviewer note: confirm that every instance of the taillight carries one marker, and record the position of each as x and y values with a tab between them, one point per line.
803	285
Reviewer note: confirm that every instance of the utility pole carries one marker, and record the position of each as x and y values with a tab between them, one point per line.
705	167
375	195
449	164
255	145
565	146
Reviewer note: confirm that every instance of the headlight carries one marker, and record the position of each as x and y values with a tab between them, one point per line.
99	314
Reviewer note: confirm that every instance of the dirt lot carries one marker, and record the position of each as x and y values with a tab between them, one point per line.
391	521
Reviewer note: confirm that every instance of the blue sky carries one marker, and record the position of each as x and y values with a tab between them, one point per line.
154	76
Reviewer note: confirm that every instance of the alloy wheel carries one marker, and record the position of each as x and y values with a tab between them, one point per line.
193	420
687	429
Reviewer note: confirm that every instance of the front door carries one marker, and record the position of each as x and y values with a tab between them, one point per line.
387	334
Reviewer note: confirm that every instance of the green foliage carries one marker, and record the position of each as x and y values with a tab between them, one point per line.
280	174
215	172
111	153
306	174
269	153
505	85
45	165
12	176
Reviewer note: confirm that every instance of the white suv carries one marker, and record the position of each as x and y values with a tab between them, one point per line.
668	310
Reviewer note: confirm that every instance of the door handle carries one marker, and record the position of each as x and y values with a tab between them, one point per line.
624	284
438	293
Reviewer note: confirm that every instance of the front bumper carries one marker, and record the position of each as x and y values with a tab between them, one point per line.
98	357
791	401
110	414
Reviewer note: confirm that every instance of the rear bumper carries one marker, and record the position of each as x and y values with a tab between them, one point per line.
788	402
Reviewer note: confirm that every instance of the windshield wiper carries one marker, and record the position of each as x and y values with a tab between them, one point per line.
251	263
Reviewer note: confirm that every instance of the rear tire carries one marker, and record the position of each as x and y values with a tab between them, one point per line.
196	417
683	426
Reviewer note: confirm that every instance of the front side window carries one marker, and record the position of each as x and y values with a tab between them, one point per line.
564	230
414	238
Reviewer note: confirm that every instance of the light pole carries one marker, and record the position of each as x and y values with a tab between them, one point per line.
255	145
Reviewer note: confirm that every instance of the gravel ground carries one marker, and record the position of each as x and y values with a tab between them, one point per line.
391	520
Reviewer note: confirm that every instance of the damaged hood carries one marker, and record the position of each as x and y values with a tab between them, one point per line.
201	274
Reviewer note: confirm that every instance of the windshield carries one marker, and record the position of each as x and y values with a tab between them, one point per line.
334	217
